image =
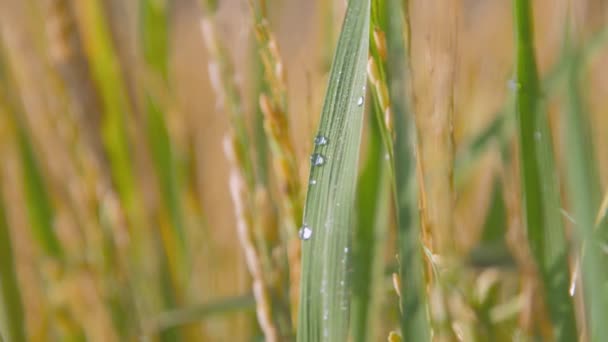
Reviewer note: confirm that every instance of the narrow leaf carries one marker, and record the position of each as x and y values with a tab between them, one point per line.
370	238
113	93
584	194
154	33
38	203
11	310
415	324
324	296
197	313
539	182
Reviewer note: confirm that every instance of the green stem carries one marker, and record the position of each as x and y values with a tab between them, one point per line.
585	198
540	187
370	238
415	324
11	311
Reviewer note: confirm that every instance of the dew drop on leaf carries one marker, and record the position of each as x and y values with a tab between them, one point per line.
317	159
321	140
305	232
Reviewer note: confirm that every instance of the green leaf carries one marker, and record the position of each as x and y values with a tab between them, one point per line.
154	33
106	72
11	310
373	210
585	196
39	208
37	201
373	207
415	324
541	205
155	36
196	313
324	296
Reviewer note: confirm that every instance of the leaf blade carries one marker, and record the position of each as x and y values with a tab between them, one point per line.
540	187
324	296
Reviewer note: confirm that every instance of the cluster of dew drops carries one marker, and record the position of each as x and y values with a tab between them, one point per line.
317	159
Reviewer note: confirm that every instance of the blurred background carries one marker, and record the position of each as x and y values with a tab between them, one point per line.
114	178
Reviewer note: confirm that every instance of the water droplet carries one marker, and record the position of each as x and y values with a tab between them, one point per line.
305	232
537	135
360	101
325	315
513	85
574	279
317	159
321	140
312	182
572	289
345	249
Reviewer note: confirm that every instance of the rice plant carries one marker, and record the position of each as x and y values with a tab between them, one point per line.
265	170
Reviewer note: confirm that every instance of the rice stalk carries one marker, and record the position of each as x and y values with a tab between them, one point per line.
584	194
196	313
433	69
39	207
370	237
253	257
387	51
118	112
276	124
259	87
433	51
38	204
105	69
499	129
539	184
154	32
67	54
12	327
260	139
273	105
255	232
228	98
414	320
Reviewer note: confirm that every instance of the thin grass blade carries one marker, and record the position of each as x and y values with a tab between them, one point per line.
585	196
38	204
154	34
105	69
373	208
541	206
11	310
197	313
415	324
324	292
39	208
